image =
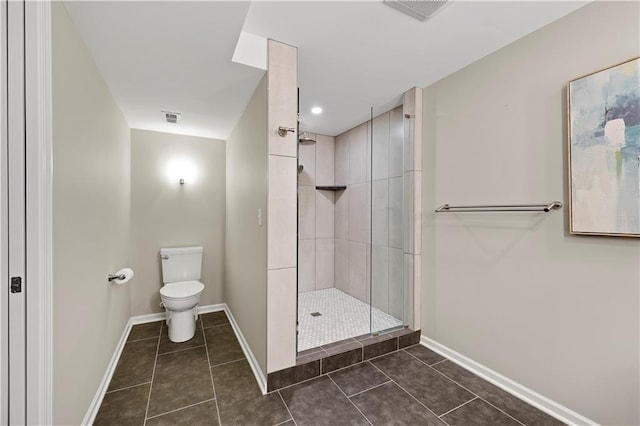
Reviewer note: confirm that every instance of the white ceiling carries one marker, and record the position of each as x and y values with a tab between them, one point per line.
176	56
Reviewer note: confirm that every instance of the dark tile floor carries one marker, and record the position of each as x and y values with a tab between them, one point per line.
208	381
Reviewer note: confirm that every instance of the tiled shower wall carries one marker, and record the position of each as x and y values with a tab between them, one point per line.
368	214
387	280
352	212
316	230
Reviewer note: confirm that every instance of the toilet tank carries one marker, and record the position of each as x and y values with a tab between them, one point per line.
181	264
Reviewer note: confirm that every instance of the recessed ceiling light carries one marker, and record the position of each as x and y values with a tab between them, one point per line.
316	110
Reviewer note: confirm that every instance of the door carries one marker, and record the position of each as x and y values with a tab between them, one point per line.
13	219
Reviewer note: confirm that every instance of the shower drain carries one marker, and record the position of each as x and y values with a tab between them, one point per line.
315	314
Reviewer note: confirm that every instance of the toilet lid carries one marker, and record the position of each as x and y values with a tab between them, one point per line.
182	289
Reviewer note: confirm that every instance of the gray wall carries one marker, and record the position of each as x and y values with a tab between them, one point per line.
246	242
167	214
90	222
556	313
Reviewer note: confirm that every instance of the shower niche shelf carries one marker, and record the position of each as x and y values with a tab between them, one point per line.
331	188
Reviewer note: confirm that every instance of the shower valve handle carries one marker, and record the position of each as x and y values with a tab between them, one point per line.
282	131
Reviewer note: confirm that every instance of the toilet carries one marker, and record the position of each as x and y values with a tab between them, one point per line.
181	290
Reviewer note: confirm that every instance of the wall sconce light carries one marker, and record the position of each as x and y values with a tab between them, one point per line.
181	170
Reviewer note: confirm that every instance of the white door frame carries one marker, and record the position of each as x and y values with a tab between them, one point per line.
16	214
4	225
39	164
37	273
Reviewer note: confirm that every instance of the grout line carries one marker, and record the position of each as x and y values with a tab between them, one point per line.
499	409
371	388
469	390
284	267
182	408
377	368
294	384
180	350
138	340
285	156
287	407
341	368
436	363
213	386
417	400
459	406
228	362
429	365
321	354
214	326
346	342
153	375
352	403
127	387
397	384
379	356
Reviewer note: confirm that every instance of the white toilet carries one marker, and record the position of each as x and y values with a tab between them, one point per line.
181	290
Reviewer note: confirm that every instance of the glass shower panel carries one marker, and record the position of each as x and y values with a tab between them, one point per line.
388	180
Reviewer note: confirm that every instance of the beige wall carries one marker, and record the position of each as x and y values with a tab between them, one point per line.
554	312
90	222
246	241
167	214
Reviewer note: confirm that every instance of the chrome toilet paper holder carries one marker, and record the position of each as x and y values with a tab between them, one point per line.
112	277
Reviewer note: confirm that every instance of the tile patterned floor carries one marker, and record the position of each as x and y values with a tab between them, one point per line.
343	316
208	381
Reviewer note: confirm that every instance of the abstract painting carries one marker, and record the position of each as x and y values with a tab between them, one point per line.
604	151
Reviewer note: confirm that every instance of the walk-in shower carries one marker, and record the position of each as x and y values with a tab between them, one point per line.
352	214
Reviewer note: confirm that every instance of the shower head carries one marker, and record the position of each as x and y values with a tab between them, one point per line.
304	140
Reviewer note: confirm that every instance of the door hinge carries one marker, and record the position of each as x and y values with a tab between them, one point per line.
16	284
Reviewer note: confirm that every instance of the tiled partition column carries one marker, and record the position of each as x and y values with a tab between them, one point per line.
316	215
412	111
282	98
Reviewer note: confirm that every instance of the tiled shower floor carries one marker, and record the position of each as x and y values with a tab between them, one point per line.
208	381
342	316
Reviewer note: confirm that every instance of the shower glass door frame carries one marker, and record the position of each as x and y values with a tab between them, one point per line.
388	240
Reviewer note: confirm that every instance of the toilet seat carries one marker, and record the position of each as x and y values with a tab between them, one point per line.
181	290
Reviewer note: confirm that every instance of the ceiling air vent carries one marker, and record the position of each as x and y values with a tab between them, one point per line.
419	9
170	117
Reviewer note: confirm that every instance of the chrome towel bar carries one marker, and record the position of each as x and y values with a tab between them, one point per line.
547	207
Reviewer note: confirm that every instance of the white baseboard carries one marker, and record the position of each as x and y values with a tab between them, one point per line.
531	397
212	308
158	316
143	319
253	362
90	417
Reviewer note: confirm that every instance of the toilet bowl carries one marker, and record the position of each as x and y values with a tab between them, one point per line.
180	300
181	290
